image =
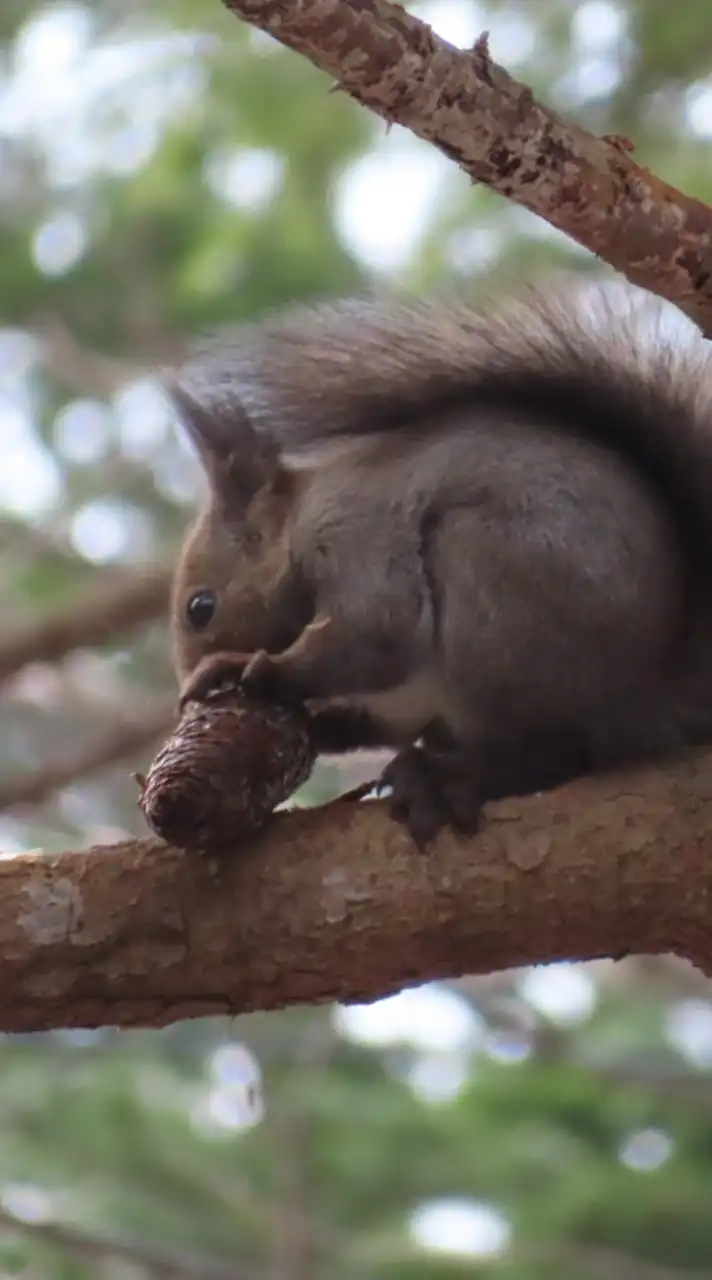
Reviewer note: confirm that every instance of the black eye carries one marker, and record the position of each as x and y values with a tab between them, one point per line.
201	609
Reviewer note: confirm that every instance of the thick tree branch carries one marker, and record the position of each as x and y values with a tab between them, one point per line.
473	111
335	904
102	611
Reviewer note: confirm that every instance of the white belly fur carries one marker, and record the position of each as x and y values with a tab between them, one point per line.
408	708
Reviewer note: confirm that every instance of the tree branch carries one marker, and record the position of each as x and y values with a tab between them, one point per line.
122	741
335	904
91	1248
80	369
492	126
103	611
611	1264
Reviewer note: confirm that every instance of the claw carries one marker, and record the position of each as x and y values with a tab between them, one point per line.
256	671
430	792
266	676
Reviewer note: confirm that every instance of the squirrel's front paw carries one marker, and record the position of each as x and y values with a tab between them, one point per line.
265	676
212	671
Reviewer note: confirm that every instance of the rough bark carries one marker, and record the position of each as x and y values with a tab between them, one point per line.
334	904
492	126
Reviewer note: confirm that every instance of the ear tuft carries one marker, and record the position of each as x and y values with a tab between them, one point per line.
238	461
210	432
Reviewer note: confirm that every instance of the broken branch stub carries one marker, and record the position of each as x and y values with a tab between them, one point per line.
229	763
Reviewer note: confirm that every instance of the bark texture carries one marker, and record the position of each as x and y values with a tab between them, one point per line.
335	904
492	126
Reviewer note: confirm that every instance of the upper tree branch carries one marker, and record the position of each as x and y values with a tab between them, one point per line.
335	904
492	126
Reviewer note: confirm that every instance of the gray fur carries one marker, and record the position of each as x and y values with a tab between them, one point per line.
502	517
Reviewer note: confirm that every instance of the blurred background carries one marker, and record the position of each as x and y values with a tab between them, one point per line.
163	170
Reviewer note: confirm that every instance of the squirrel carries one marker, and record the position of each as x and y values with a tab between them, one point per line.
480	536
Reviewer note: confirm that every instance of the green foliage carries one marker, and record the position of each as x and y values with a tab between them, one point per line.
178	172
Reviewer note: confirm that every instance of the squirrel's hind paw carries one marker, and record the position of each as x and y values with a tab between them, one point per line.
431	791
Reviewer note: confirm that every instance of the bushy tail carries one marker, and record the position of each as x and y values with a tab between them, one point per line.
594	361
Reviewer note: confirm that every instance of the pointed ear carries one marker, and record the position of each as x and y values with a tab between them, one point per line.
210	432
238	461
